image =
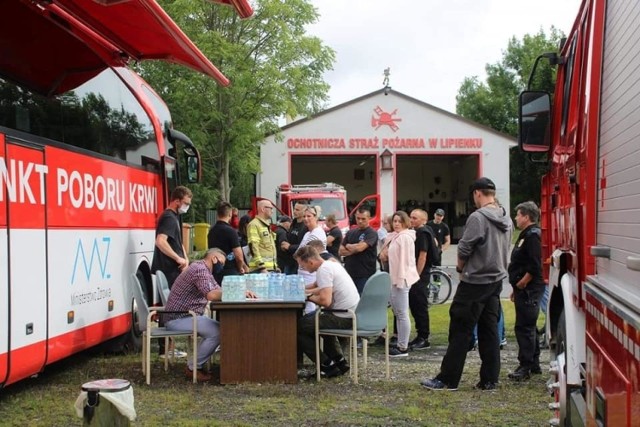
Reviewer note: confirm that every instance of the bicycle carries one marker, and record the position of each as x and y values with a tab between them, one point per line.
439	288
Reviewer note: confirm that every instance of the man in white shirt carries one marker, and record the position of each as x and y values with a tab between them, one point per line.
334	289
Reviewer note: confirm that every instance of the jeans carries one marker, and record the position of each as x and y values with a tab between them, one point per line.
306	336
208	329
360	282
473	304
502	332
400	307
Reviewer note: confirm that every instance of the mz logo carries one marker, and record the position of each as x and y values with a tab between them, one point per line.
99	254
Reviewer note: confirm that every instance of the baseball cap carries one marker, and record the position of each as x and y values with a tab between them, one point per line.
483	183
284	218
439	212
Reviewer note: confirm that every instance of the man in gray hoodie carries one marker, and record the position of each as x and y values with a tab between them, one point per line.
483	254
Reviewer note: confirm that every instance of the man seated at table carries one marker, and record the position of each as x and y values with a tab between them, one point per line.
192	290
334	289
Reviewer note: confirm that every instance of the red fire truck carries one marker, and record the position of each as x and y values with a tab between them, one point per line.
590	206
88	157
330	197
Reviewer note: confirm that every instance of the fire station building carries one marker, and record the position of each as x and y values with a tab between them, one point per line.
410	153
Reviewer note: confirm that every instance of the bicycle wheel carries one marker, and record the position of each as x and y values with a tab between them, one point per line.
439	287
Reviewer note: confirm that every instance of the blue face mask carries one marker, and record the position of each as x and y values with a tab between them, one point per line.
218	267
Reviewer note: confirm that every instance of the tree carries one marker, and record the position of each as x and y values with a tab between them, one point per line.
494	103
276	69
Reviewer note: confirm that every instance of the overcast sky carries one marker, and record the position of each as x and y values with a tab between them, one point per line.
430	45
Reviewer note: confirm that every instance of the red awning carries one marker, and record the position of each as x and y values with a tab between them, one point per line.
53	46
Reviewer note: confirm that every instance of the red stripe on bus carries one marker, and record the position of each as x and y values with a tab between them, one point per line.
29	360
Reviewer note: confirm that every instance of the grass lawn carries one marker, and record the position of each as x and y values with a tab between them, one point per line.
173	400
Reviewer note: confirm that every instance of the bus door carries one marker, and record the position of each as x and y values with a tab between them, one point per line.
24	194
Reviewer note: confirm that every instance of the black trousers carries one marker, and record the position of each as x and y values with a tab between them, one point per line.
306	336
419	307
473	303
527	304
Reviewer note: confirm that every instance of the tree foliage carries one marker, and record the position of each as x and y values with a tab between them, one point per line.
276	69
494	102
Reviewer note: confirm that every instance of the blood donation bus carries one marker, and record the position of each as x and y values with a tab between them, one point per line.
88	157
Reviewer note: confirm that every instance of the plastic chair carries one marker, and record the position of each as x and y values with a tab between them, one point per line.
163	287
369	321
149	331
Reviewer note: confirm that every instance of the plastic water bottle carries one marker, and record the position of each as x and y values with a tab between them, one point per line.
275	286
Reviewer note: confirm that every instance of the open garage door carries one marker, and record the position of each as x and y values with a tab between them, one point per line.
433	182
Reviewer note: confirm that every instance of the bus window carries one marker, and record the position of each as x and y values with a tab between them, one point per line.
101	116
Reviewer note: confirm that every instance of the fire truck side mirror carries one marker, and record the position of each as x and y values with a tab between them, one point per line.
534	122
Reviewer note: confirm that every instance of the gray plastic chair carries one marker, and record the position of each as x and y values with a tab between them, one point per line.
150	331
163	287
369	320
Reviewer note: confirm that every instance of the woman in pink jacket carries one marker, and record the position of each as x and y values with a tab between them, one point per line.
402	268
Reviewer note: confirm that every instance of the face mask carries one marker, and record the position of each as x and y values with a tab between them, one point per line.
183	209
218	267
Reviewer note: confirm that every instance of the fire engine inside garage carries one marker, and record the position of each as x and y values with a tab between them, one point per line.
410	153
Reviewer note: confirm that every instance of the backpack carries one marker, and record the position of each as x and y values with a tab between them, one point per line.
433	252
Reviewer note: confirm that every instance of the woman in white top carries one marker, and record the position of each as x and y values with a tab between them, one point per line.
400	252
310	219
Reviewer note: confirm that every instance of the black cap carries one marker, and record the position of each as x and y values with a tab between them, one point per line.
284	218
440	212
483	183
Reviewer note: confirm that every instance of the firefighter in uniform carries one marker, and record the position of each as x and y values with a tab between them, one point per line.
525	276
261	239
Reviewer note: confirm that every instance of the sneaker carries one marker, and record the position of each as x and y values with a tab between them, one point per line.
330	371
535	369
397	352
436	384
393	341
174	354
487	386
201	376
521	373
343	365
419	344
503	343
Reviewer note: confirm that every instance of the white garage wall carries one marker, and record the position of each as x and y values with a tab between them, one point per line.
359	120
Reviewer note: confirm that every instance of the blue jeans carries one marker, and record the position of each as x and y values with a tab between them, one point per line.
502	333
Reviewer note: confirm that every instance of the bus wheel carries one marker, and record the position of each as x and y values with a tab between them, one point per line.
131	341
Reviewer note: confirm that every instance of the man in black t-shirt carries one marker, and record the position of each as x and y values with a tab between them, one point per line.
169	254
418	303
359	249
224	237
296	232
441	232
334	235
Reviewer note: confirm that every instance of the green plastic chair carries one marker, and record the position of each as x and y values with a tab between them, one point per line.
369	321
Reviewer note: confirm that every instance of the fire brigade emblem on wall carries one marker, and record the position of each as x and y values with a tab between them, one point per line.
384	119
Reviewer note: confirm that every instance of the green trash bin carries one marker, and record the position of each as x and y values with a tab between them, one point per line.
200	236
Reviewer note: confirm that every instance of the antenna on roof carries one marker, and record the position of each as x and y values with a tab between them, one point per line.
385	82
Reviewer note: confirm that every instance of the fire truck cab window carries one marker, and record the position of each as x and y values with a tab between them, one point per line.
101	115
327	206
